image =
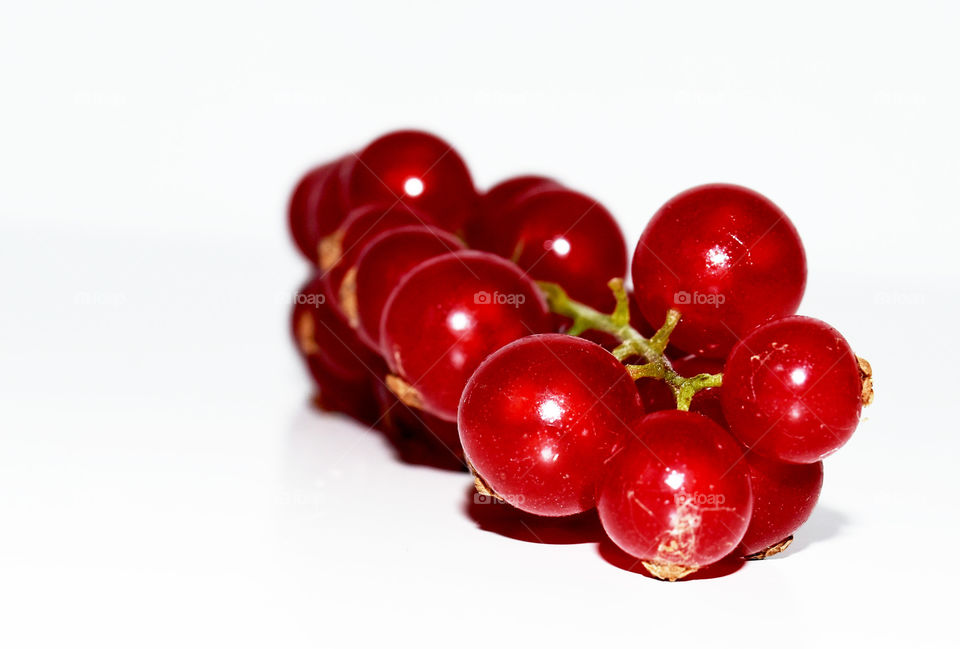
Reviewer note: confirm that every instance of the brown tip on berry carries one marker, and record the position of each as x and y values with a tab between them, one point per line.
776	548
668	571
407	394
866	377
482	487
305	331
348	297
330	249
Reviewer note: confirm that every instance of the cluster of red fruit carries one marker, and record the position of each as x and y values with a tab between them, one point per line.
435	310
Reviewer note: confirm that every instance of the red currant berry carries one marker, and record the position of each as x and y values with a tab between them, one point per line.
341	367
565	237
678	497
539	418
487	230
792	390
447	315
381	265
784	496
340	250
322	335
315	209
724	256
418	169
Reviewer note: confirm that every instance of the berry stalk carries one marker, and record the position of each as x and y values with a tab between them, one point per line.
656	365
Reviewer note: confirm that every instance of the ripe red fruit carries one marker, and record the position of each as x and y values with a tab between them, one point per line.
792	390
678	497
315	209
539	418
566	237
321	333
489	230
727	258
341	366
784	496
380	267
447	315
340	250
418	169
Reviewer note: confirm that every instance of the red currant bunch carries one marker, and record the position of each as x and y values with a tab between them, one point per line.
494	332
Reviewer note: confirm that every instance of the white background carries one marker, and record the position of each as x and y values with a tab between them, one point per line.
163	479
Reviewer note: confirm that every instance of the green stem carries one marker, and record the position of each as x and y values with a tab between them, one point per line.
657	365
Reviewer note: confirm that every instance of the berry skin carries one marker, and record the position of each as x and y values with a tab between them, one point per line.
381	265
792	390
447	315
678	498
315	209
724	256
566	237
418	169
339	251
487	230
341	366
784	496
539	418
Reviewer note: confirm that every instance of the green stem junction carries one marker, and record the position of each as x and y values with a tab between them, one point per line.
632	345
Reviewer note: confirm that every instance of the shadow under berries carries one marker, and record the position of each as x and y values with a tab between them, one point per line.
498	517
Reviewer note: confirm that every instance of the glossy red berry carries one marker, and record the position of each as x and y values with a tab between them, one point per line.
489	230
447	315
381	265
418	169
320	332
340	365
340	250
315	209
784	496
677	497
566	237
792	390
727	258
539	418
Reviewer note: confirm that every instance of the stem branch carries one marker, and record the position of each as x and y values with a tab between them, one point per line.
632	344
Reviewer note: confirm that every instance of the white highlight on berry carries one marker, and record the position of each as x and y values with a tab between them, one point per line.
550	411
458	321
413	186
560	246
675	480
